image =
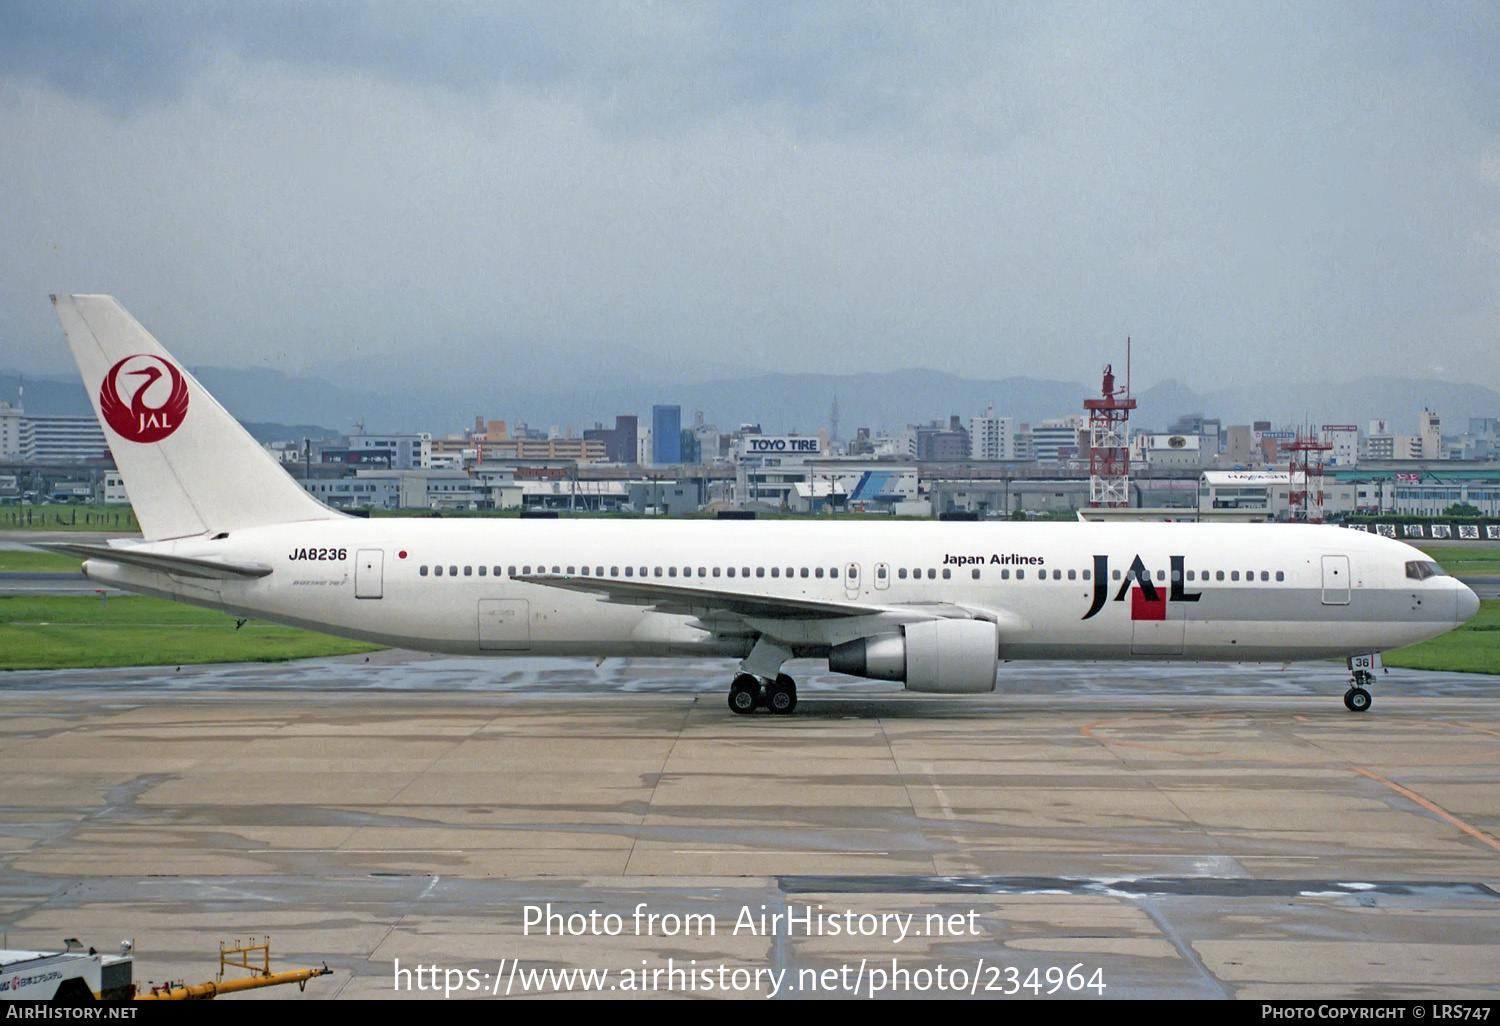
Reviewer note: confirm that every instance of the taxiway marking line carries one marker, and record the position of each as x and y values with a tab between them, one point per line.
1473	832
764	851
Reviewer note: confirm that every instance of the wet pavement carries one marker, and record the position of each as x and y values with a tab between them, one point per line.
1158	830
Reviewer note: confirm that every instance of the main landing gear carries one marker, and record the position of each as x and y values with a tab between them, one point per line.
748	692
1357	698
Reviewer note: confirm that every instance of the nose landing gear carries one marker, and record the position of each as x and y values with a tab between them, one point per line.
1357	698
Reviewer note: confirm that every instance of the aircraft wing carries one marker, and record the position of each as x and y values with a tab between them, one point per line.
686	598
182	566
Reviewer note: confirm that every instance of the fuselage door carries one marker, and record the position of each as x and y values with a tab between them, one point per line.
504	624
369	573
1335	580
882	576
851	580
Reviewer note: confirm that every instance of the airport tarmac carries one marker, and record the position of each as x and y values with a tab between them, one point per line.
1166	831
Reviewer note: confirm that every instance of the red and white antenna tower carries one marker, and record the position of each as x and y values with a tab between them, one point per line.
1305	497
1109	440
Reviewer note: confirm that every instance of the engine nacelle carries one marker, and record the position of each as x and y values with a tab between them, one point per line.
953	657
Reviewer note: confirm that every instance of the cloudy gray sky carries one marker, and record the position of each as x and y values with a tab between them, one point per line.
420	191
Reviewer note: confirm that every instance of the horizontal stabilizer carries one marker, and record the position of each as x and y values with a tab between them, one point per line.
181	566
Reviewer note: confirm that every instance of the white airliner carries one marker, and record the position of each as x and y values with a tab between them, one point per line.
933	605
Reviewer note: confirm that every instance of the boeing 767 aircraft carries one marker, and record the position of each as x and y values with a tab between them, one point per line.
935	606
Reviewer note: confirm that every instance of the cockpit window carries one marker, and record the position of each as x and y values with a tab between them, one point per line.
1421	569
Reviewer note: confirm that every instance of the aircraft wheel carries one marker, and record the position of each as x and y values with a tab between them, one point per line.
1357	699
781	696
744	694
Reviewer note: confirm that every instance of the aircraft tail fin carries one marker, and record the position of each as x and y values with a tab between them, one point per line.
189	467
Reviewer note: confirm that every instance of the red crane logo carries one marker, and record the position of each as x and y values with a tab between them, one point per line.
130	416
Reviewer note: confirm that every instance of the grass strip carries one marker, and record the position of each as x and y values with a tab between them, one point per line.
81	632
1472	648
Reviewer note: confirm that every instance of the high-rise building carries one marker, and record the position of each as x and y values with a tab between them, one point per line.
1057	439
10	430
619	441
934	443
1344	438
50	439
408	452
992	437
666	435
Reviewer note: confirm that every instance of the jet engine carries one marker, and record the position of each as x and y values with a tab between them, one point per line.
953	657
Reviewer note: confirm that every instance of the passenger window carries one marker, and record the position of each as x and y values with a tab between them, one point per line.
818	573
1005	574
453	571
643	571
1234	575
833	571
468	571
775	571
744	572
1087	574
570	571
614	571
931	574
791	571
1116	575
512	571
975	572
481	571
1219	575
730	571
422	572
1190	575
901	573
656	571
1161	575
804	573
760	571
716	571
1072	575
497	571
629	571
671	571
437	571
947	574
880	572
598	571
703	571
1265	575
1057	575
1280	575
585	571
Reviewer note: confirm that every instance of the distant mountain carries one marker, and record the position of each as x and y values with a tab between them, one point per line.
267	432
1396	400
279	404
54	396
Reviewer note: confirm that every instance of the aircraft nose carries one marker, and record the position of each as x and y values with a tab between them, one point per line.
1465	605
